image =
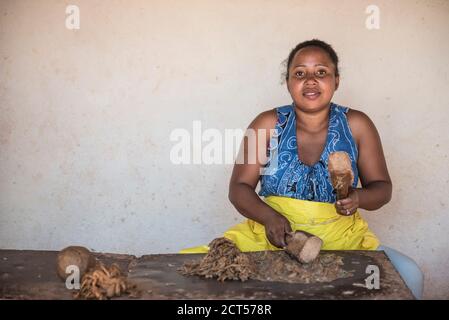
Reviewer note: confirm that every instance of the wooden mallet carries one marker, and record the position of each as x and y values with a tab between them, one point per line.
340	171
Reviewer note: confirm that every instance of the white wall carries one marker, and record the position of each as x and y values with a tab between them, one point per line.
86	115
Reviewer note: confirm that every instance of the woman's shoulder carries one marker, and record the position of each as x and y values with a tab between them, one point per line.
265	120
360	123
269	118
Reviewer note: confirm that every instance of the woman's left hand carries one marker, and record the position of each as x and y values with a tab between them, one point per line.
349	205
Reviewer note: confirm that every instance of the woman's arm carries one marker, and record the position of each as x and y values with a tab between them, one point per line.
376	183
244	180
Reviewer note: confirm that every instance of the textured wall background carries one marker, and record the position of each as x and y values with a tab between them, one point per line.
86	115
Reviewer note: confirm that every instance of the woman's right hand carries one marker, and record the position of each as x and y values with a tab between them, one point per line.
276	228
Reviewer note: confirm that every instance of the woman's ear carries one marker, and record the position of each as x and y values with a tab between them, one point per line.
337	82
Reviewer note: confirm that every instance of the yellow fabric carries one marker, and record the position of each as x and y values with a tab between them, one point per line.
318	218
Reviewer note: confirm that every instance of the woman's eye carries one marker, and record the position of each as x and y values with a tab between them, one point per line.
321	73
299	74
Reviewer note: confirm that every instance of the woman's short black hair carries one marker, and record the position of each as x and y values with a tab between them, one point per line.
313	43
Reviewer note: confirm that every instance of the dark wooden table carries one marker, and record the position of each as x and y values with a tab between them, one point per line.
31	275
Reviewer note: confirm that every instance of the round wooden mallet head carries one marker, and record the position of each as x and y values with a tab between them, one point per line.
74	255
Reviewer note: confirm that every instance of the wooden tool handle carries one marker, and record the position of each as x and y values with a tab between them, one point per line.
340	172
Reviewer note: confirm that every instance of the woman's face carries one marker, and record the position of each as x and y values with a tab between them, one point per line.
312	81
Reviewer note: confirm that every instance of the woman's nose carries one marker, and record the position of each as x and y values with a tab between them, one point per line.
310	78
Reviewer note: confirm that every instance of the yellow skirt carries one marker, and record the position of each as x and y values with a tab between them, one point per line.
318	218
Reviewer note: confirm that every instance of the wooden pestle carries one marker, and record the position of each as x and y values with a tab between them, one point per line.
303	246
340	171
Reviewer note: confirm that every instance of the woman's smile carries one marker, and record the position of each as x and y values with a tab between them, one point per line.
311	93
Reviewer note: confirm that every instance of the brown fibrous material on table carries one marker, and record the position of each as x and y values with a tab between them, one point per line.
225	261
103	282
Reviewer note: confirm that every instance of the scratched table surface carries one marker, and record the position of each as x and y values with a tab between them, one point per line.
26	274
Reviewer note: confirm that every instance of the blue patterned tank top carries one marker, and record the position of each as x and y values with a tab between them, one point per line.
291	177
